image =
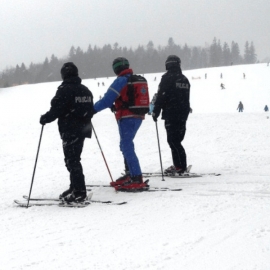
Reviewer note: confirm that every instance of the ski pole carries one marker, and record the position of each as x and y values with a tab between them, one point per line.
35	167
159	154
102	153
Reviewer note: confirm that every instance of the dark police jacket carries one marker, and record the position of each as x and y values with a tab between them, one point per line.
173	96
73	106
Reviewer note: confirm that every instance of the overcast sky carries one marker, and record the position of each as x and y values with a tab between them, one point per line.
31	30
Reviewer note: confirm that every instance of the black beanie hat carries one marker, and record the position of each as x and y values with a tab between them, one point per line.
69	70
172	62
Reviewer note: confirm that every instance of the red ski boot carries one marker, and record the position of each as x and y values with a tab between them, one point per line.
134	184
121	180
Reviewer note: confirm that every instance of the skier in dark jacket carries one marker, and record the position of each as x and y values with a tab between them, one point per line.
73	106
266	108
240	107
173	100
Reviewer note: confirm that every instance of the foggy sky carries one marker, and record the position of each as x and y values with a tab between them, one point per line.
31	30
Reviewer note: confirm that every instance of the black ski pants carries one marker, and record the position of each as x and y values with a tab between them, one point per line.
72	150
176	130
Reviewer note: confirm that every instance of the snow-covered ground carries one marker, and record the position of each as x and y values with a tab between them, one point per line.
213	223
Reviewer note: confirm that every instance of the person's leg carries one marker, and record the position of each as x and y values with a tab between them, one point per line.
126	167
72	151
128	128
175	134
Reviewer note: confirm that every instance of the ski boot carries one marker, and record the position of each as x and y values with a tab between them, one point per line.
134	184
172	170
121	180
77	196
65	193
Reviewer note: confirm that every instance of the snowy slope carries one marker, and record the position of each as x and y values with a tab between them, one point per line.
214	223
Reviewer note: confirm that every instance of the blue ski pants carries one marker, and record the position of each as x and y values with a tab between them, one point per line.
128	128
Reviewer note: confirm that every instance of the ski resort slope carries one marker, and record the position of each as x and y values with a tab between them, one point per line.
215	222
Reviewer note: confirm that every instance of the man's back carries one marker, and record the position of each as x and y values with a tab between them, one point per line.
73	106
173	95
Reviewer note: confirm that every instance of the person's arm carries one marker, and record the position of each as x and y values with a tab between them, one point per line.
160	99
111	95
59	105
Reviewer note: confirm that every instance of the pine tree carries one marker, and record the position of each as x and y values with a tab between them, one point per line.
235	54
185	57
195	58
253	55
55	66
250	56
247	53
215	54
226	55
24	76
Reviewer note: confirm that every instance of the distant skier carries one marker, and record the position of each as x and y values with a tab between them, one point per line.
205	76
240	107
244	75
152	104
221	76
222	86
98	84
266	108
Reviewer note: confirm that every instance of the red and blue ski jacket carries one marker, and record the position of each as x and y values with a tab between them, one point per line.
115	94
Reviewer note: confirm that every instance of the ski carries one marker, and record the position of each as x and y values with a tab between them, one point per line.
151	189
148	190
186	175
58	200
51	203
189	175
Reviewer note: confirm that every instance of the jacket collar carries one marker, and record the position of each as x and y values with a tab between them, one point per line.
73	80
175	70
125	72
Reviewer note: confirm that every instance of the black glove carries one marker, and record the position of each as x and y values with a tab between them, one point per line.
113	109
43	120
154	117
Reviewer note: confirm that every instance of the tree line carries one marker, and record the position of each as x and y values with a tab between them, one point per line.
96	62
